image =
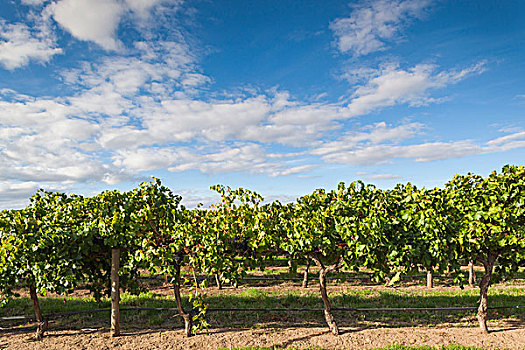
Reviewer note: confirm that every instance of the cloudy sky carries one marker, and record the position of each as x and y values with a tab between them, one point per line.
279	96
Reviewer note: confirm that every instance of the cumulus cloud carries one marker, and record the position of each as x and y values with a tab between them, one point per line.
139	110
98	20
163	64
90	20
372	24
246	157
117	124
20	44
241	157
250	119
16	194
392	85
370	135
44	140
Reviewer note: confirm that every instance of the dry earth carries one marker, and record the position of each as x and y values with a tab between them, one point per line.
508	338
504	337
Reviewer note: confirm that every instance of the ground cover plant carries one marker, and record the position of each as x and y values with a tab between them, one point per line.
288	297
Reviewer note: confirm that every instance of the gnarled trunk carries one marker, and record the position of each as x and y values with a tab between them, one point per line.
41	322
323	271
218	280
305	275
115	292
176	291
488	264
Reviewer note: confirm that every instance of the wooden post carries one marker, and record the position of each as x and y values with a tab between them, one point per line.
471	274
115	292
307	269
41	322
292	267
430	279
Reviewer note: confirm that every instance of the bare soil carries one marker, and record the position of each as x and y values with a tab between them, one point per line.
502	336
293	337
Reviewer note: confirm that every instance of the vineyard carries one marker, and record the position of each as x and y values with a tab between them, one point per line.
115	240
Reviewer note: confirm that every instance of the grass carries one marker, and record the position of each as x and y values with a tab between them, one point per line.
366	299
297	298
277	274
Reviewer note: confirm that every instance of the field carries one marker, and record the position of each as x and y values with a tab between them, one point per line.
349	238
277	329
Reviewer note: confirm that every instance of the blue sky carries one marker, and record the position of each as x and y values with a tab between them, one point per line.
281	97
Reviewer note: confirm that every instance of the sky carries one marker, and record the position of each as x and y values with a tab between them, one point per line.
277	96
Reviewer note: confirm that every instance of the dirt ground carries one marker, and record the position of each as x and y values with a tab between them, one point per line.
504	337
508	338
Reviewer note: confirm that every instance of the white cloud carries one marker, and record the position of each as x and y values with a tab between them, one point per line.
110	130
47	139
12	188
383	177
102	100
371	135
98	20
380	154
44	140
268	118
15	194
295	170
194	79
138	111
392	85
505	139
90	20
250	119
34	2
142	8
238	157
133	113
374	23
366	148
162	64
20	44
242	157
